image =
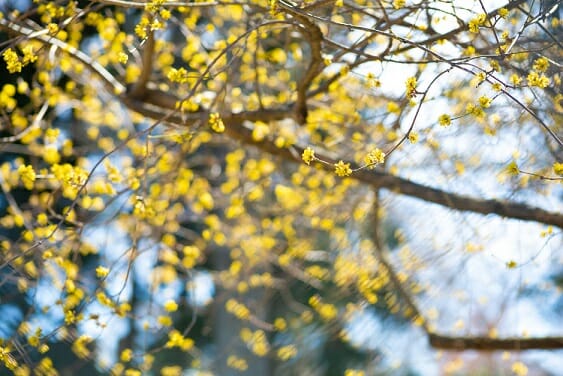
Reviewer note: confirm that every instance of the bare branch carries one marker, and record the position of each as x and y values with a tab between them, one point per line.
491	344
140	87
314	36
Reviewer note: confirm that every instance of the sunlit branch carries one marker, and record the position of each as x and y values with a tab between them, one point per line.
140	86
42	35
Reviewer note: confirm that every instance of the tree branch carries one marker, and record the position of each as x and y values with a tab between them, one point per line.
438	341
314	36
381	179
236	129
140	87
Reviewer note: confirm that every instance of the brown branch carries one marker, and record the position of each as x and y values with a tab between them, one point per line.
236	129
381	179
140	87
312	33
438	341
444	342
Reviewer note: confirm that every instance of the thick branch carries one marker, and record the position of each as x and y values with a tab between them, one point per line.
381	179
236	129
140	87
314	36
438	341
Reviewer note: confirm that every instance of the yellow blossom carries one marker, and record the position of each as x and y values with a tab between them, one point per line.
308	155
541	64
287	352
374	158
28	55
445	120
485	102
216	123
398	4
176	339
53	28
519	369
515	79
170	306
511	264
13	63
122	57
512	168
411	87
101	271
342	169
535	79
27	176
476	22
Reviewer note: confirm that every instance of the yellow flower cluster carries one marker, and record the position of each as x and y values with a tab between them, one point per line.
170	306
27	176
374	157
327	311
476	22
342	169
216	123
485	102
541	64
191	255
7	359
308	155
13	63
398	4
257	341
411	87
503	12
354	372
80	346
538	80
237	309
287	352
7	97
519	369
176	339
372	81
102	272
178	75
445	120
237	363
512	169
72	178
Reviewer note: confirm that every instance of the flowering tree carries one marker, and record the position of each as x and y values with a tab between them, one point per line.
222	186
